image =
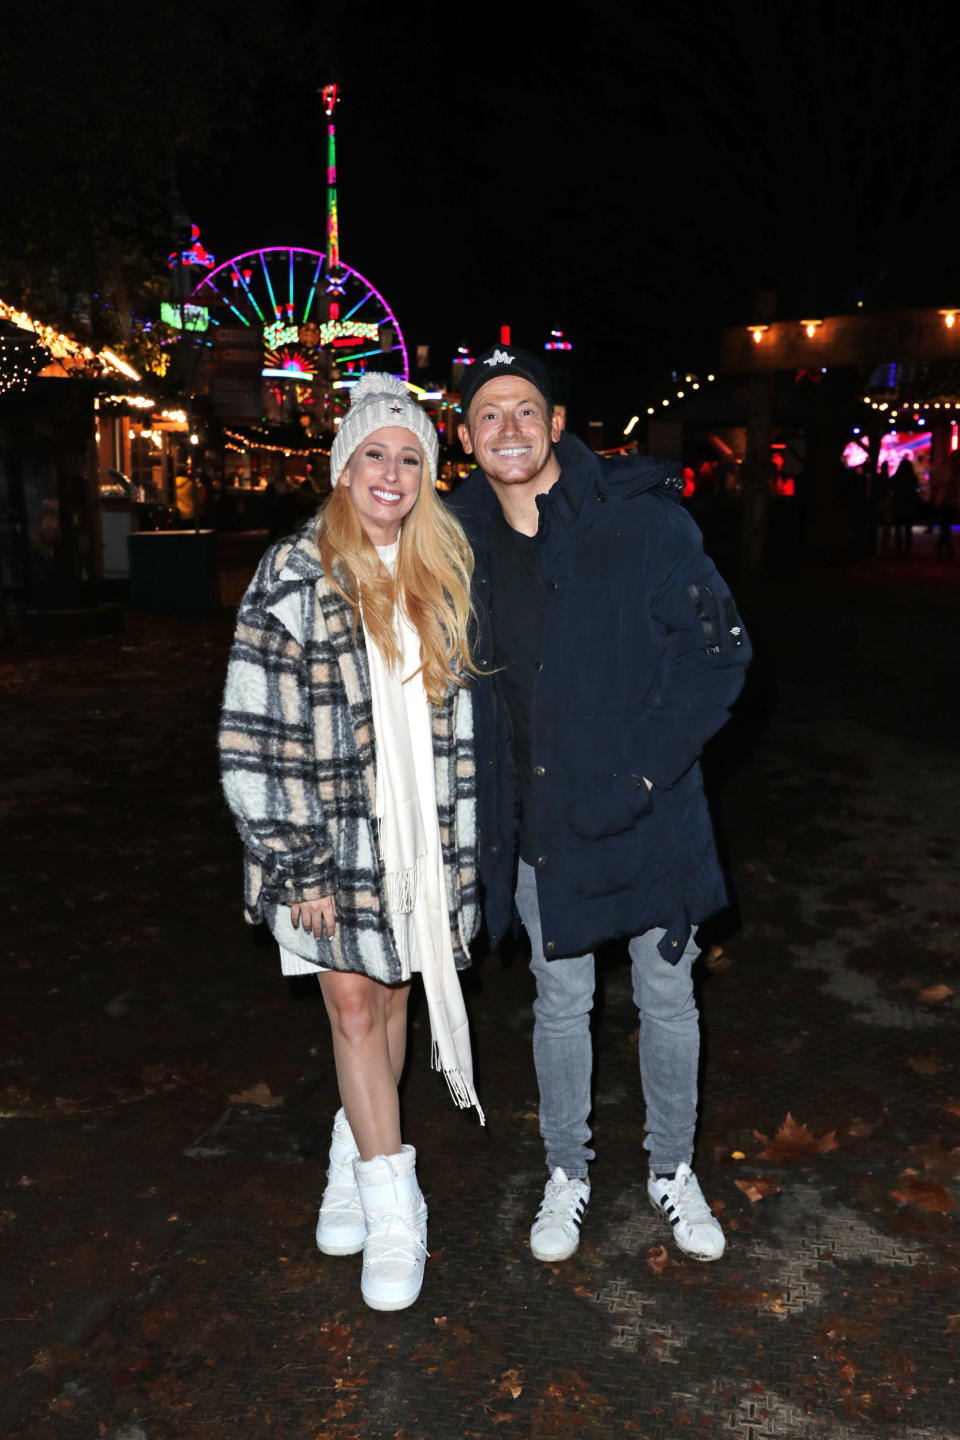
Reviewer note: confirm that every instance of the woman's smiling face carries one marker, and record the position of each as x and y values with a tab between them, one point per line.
384	475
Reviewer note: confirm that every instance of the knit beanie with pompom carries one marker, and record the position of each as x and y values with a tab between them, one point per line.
379	402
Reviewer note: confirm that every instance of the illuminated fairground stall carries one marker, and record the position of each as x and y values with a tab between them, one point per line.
67	418
908	404
882	387
780	444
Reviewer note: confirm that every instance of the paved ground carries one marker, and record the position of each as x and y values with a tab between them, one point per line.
166	1095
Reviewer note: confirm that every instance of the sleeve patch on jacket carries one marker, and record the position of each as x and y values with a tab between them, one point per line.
733	622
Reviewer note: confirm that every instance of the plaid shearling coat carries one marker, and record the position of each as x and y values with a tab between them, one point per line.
298	766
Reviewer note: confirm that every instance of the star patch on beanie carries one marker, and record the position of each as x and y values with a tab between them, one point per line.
504	360
379	402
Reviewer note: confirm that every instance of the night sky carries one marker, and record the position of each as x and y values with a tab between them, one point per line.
635	175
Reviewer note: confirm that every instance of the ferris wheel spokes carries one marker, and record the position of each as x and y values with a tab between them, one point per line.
339	308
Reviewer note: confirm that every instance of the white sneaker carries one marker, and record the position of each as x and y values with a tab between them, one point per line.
695	1228
555	1234
395	1249
341	1228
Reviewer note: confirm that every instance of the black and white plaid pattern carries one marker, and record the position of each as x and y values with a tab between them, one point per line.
298	765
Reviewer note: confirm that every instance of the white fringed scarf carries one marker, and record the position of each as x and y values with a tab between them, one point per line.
410	849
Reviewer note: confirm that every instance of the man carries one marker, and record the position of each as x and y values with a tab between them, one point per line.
615	651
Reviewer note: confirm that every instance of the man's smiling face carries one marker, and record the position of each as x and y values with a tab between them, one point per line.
510	430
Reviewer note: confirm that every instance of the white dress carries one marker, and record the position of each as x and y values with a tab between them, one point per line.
428	922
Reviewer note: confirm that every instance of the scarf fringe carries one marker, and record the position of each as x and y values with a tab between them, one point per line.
461	1090
403	887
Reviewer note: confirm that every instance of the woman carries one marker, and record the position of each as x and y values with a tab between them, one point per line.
347	760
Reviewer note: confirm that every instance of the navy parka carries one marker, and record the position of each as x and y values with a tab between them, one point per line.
643	653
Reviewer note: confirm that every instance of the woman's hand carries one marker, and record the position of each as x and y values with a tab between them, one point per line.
316	916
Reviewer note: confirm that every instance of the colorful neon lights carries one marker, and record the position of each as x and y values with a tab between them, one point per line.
328	333
333	330
290	370
238	282
280	334
195	255
331	96
195	317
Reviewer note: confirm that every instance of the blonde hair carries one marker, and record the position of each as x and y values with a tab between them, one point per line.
432	582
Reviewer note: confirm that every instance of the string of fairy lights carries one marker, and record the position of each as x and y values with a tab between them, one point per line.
691	381
897	409
21	360
241	444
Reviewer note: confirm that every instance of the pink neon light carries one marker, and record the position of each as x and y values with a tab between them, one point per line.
345	270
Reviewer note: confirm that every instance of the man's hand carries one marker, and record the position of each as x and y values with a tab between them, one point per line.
316	916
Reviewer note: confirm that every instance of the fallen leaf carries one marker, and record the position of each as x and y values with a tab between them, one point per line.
795	1142
440	1320
757	1189
257	1095
737	1155
953	1324
658	1259
925	1195
934	994
859	1129
924	1064
941	1160
509	1384
952	1107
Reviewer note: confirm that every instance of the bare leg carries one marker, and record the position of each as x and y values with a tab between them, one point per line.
397	997
358	1009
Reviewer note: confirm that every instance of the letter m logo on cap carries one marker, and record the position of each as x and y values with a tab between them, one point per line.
500	357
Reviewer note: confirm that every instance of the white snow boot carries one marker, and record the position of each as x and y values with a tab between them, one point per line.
395	1249
341	1228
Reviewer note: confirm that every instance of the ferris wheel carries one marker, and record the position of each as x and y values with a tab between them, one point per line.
318	321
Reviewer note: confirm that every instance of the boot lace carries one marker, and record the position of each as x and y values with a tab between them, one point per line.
393	1238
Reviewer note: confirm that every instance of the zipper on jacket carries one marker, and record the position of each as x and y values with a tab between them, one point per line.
709	629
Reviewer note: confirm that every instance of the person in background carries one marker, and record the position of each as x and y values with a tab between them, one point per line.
612	651
882	495
184	498
347	760
904	502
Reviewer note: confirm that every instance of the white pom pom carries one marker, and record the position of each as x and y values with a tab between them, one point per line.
373	383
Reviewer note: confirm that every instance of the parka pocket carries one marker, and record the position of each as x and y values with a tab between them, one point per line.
607	803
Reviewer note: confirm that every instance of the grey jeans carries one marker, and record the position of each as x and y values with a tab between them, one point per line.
563	1052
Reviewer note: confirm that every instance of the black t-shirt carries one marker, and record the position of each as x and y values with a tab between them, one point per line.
517	593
